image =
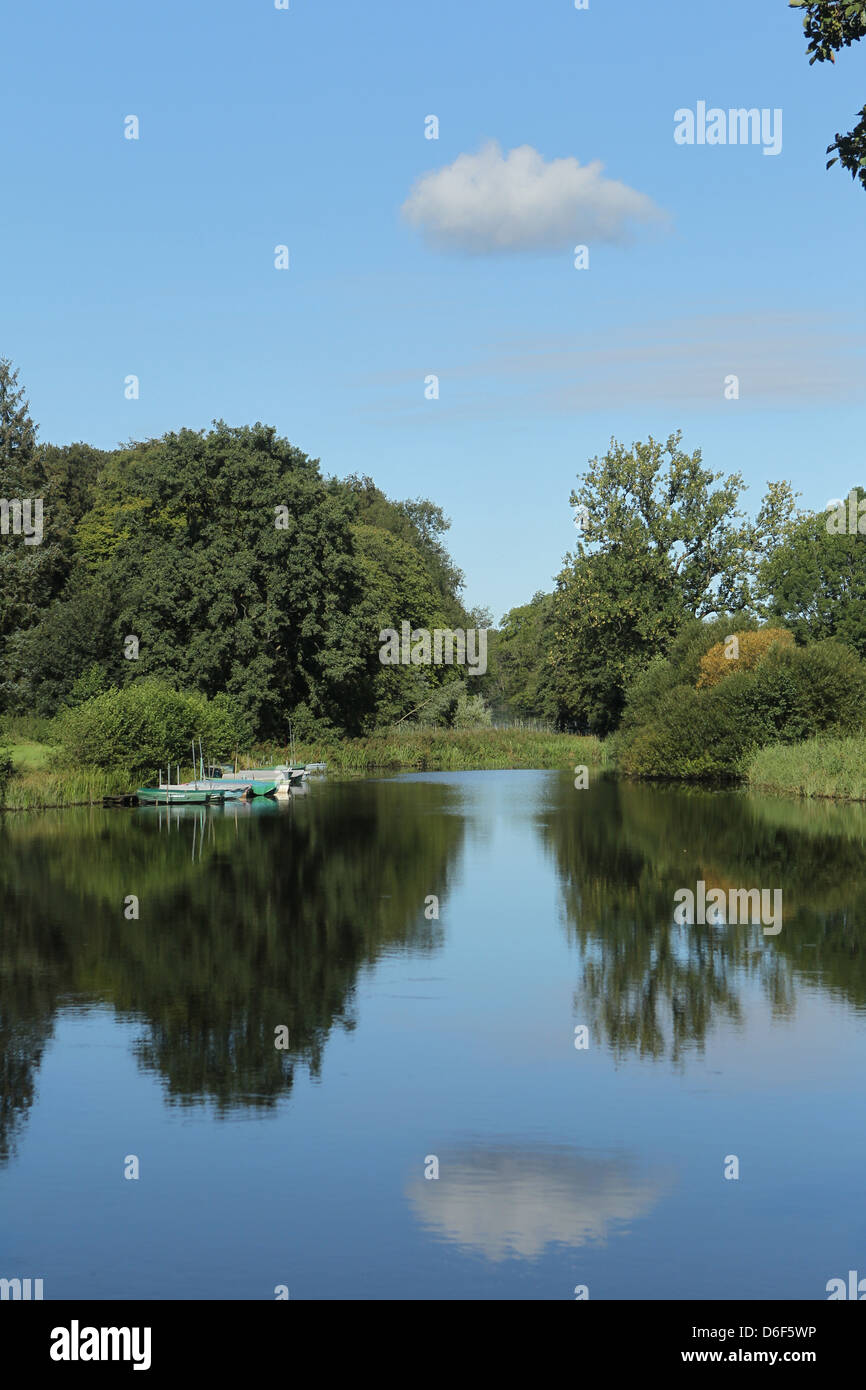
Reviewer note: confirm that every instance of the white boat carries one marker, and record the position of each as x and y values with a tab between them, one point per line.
280	775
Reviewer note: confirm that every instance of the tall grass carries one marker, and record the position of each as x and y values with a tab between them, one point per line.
450	750
817	767
36	790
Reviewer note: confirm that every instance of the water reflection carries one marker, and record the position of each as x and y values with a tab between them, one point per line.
249	918
651	987
515	1201
257	915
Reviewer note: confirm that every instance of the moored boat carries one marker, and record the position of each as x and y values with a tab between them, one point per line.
283	775
229	787
177	795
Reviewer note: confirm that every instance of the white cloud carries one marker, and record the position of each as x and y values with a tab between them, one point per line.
511	1201
490	201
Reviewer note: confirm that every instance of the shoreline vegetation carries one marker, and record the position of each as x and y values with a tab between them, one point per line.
825	768
832	769
37	782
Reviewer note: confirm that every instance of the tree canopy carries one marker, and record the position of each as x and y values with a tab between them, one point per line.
830	26
234	564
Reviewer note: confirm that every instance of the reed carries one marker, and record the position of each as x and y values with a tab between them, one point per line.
34	790
33	787
817	767
449	750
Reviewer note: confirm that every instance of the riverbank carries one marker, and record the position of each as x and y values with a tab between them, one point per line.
36	790
38	783
831	769
819	767
452	750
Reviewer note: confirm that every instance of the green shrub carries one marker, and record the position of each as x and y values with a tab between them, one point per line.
751	647
147	725
833	682
471	712
794	693
91	682
690	736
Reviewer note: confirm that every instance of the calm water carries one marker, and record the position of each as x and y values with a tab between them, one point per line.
412	1039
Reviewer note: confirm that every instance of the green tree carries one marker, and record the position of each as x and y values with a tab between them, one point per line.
398	587
522	654
830	26
815	580
422	525
660	543
17	434
26	570
238	574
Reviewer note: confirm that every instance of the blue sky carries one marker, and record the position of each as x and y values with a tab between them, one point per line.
306	127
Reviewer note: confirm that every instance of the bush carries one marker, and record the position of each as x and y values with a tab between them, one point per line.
751	648
833	682
91	682
681	666
471	712
147	725
690	736
791	695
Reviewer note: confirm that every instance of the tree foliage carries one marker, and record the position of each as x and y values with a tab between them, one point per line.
814	581
830	26
742	654
233	562
521	663
660	543
673	728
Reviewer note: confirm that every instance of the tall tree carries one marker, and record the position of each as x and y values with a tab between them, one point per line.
814	579
659	543
522	659
830	26
26	570
17	434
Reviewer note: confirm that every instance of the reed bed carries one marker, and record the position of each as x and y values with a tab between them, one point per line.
37	791
446	750
817	767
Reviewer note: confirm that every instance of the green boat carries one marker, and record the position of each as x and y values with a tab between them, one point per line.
177	796
232	788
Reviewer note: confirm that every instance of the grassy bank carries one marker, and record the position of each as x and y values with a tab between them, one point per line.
831	768
35	790
447	750
38	783
818	767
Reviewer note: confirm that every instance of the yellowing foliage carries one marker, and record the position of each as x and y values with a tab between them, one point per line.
750	649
